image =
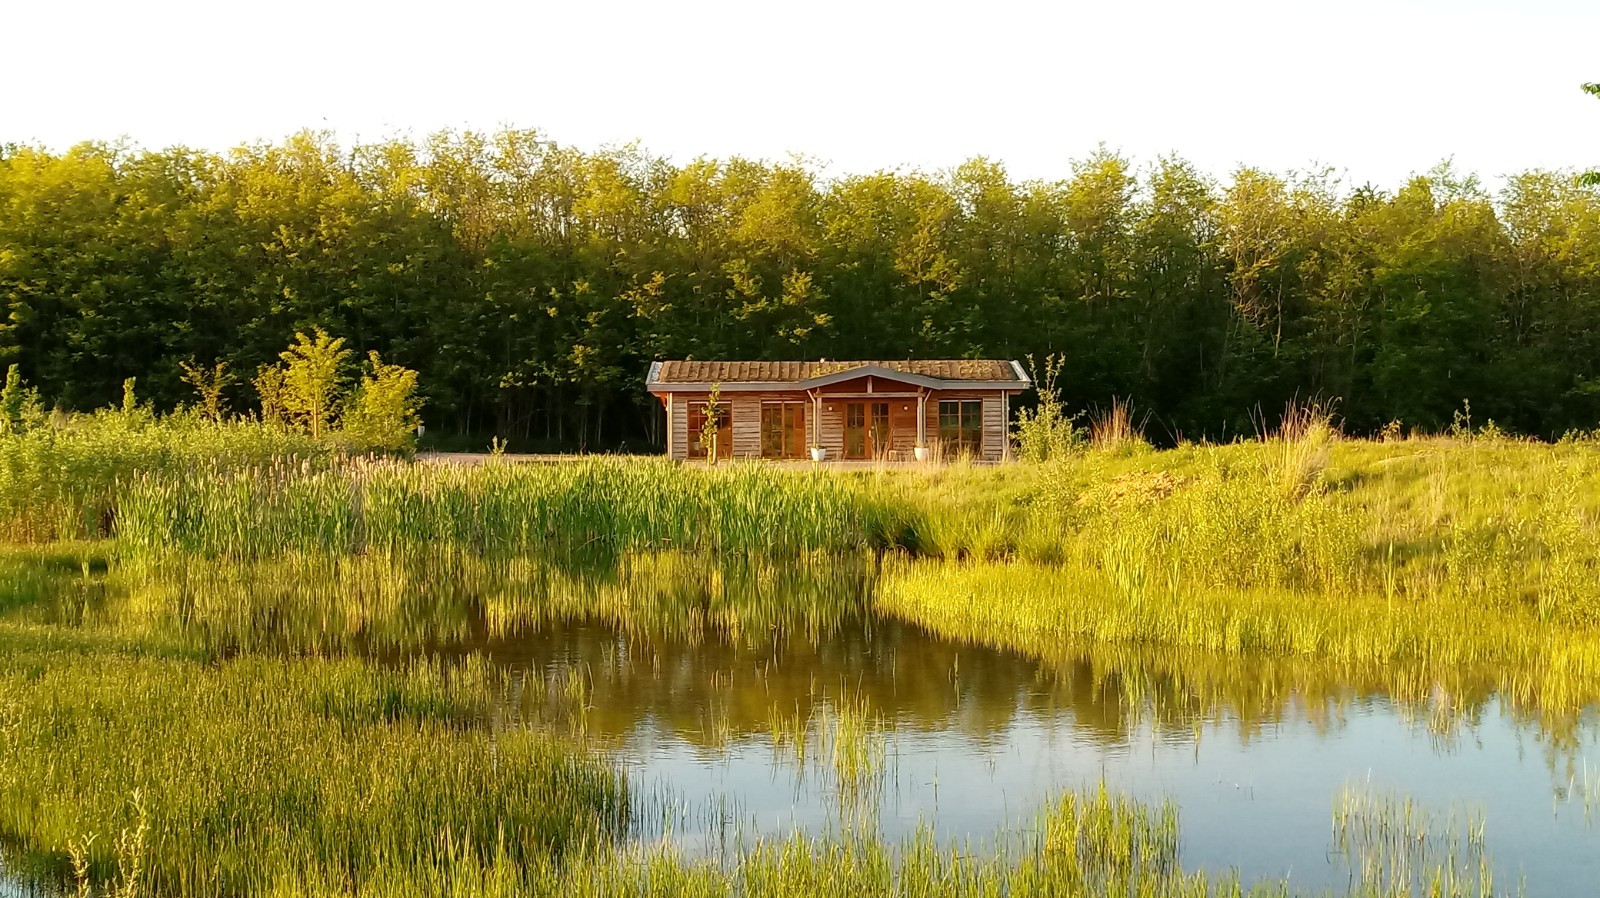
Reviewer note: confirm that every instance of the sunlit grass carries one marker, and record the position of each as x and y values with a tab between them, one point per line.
249	770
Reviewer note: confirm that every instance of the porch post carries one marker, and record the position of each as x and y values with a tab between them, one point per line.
1005	426
816	418
922	419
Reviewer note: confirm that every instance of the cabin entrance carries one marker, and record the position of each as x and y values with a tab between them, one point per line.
866	430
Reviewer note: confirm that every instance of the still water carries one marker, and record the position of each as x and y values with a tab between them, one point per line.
769	700
971	742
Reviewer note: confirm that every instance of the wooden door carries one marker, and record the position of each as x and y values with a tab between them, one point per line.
855	430
880	435
867	433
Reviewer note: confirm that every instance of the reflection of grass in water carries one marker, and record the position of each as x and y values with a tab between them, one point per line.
845	738
555	698
1394	846
426	598
857	748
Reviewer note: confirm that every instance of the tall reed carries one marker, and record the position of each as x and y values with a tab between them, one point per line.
250	771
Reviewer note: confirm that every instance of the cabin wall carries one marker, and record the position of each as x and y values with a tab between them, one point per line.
678	427
745	410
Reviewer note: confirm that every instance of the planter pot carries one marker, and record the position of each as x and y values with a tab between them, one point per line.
819	454
921	453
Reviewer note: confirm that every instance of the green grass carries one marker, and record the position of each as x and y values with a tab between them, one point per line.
248	771
1425	553
167	640
66	481
583	509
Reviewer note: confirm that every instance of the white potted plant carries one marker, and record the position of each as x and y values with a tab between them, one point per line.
819	454
921	453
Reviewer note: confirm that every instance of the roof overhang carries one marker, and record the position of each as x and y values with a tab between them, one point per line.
915	380
1022	382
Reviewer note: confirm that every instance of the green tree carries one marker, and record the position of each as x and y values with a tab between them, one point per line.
313	375
209	387
20	408
382	413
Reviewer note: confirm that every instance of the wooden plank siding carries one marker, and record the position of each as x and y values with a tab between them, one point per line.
678	433
833	428
745	409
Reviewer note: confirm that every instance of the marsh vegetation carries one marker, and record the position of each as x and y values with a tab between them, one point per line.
239	660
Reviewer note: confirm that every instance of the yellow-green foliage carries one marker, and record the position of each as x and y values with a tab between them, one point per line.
382	412
249	771
331	603
596	506
1442	553
63	480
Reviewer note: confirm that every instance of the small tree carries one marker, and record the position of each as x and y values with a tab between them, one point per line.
1047	431
312	375
269	386
209	385
20	407
130	397
710	427
12	398
382	414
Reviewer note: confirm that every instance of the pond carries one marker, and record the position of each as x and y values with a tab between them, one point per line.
773	699
971	742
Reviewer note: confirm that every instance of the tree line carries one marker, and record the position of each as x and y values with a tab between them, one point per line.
529	284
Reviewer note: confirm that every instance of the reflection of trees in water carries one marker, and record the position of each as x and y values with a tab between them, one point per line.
713	648
714	691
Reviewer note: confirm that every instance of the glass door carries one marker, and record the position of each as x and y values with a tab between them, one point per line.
855	430
880	435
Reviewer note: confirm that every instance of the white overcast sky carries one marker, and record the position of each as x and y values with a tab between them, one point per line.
1378	89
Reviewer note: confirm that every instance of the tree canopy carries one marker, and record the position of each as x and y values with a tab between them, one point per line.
529	284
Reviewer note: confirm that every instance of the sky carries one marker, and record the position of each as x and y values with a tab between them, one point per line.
1375	90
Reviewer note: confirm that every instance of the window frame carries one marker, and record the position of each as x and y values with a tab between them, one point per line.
783	425
961	426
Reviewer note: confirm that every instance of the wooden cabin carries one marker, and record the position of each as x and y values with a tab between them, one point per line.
868	411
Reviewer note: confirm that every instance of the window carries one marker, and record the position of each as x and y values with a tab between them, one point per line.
783	430
699	445
961	426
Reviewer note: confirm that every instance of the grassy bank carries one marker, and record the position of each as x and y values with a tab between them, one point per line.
1443	555
227	776
184	684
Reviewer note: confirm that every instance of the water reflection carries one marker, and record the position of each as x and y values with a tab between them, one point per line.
754	697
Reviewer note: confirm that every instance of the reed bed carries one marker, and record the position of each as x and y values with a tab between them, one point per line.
594	508
65	481
244	772
1391	844
1087	842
